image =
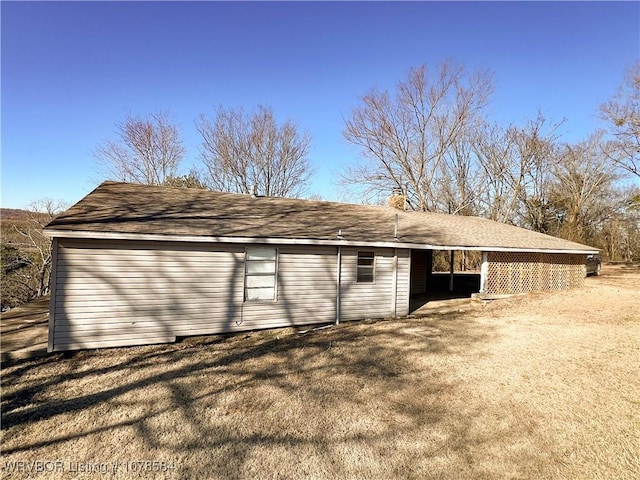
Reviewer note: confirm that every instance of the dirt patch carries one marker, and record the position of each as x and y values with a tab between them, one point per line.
538	386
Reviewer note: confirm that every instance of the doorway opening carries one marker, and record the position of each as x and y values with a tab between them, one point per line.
435	277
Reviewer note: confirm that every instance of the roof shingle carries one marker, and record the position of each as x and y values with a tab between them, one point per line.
123	208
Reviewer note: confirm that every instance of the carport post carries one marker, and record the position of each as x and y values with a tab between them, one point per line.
484	271
451	272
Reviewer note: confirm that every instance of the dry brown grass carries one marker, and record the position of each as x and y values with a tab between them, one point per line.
540	386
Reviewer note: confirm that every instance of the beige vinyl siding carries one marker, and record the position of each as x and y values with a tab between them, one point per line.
367	300
306	291
131	293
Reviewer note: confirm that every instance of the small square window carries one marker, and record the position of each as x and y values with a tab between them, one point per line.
366	267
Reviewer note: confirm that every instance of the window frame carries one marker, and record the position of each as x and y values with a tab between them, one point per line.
372	267
273	274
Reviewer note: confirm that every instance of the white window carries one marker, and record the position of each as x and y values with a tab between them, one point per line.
260	273
366	267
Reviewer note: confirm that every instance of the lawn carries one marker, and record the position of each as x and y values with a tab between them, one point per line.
538	386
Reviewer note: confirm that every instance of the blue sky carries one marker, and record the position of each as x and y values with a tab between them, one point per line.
70	71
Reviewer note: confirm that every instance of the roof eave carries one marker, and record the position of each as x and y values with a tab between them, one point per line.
89	235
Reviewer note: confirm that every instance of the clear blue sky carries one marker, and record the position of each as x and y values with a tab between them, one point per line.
71	70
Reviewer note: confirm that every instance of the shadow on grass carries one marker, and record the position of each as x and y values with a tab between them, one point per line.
217	393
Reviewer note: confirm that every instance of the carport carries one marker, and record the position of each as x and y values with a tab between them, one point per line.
427	285
503	271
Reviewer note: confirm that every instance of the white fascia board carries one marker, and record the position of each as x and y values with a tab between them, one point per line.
87	235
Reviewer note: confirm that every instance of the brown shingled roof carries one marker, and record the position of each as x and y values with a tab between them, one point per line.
123	208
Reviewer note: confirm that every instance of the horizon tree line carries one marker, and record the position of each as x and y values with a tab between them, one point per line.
430	138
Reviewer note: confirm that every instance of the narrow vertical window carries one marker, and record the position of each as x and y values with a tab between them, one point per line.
366	265
260	273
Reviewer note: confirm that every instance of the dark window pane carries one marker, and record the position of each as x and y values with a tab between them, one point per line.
365	272
365	275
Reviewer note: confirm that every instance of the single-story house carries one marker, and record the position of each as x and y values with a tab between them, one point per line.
139	264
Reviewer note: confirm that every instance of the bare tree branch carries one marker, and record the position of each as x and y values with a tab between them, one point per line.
406	139
622	114
582	190
147	150
241	150
26	254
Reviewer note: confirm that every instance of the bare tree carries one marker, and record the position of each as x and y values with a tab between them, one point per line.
494	149
241	150
26	254
192	180
583	190
619	237
628	220
518	162
530	179
408	139
622	114
461	179
147	150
